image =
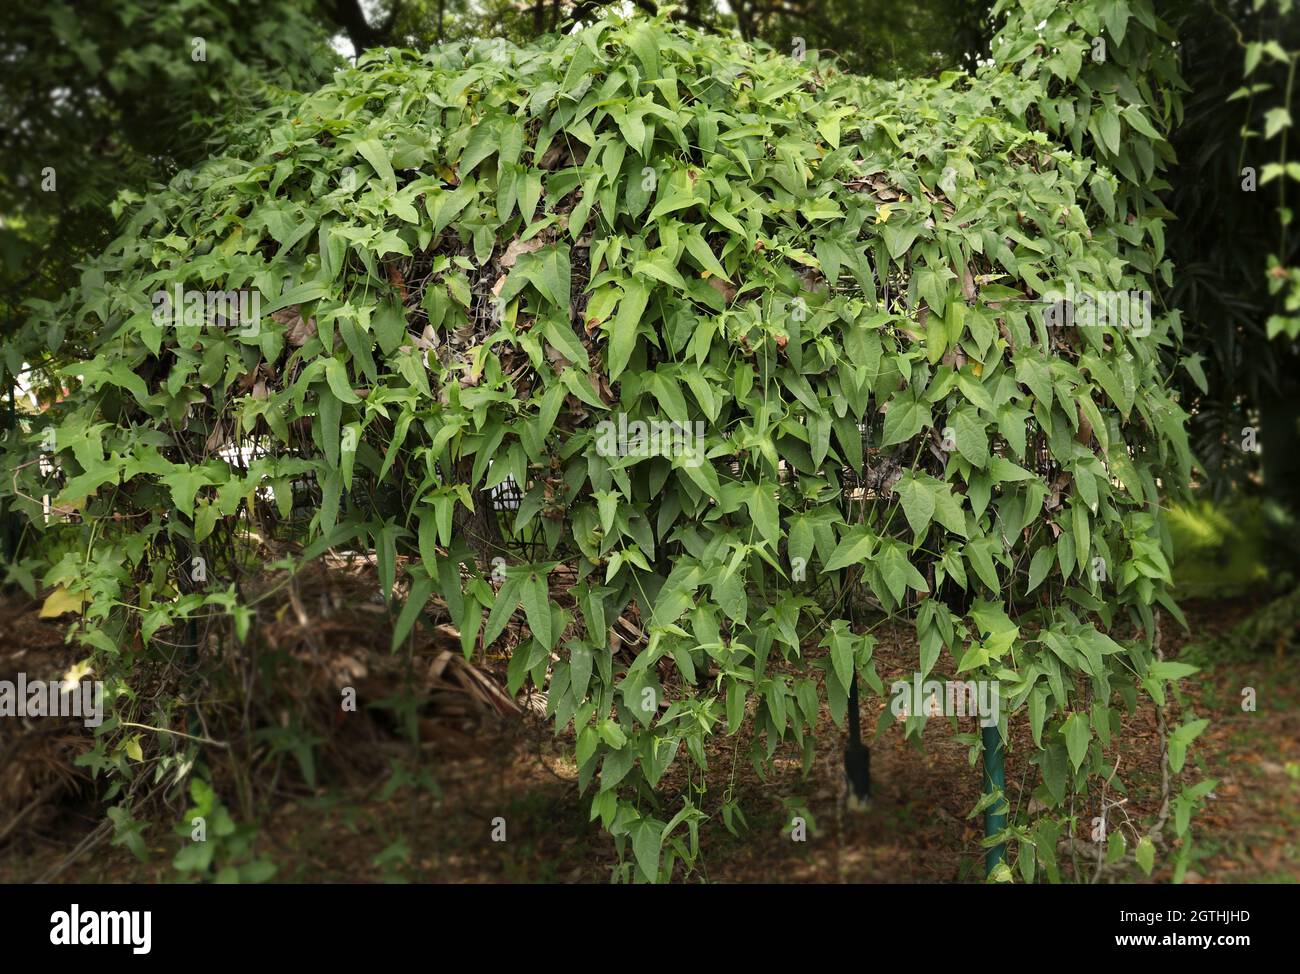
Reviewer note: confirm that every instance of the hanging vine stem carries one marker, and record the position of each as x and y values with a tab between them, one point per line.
1162	728
1283	217
1156	832
175	733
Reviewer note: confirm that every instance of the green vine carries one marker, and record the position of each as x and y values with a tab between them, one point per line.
839	299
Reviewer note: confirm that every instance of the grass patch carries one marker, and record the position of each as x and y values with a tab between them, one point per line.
1219	549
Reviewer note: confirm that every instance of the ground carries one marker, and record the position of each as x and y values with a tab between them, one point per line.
516	769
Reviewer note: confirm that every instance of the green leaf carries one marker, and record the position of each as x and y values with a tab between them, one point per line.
969	437
483	140
427	536
761	501
1171	670
898	573
1040	565
1038	713
1146	854
388	322
421	589
1077	731
899	237
184	483
855	548
842	658
1275	120
623	330
507	600
580	660
537	607
1181	739
698	248
735	705
1032	370
905	417
974	657
980	554
612	734
1115	846
205	519
947	508
548	270
644	43
918	503
647	841
336	375
372	150
1107	120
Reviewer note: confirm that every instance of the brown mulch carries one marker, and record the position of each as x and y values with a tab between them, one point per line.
493	759
37	774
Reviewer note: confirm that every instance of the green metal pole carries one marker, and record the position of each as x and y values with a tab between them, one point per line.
9	523
995	816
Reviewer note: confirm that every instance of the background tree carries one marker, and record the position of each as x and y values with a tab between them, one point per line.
1231	237
97	98
100	98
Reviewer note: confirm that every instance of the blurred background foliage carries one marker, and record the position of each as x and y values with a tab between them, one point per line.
116	96
113	96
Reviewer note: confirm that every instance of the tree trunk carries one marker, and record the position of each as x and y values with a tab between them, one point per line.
1279	435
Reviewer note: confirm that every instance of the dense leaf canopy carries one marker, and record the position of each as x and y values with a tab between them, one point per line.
473	264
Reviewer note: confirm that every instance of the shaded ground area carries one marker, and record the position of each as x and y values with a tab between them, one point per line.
486	769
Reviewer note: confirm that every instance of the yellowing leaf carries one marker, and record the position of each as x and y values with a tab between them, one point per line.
882	213
133	749
77	672
60	602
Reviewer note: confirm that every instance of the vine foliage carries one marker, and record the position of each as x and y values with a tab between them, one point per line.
470	260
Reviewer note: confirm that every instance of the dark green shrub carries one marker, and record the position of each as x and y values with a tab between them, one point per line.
840	288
